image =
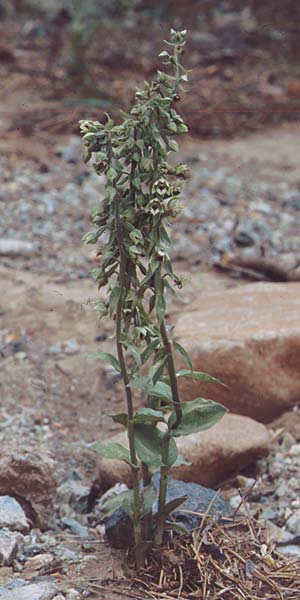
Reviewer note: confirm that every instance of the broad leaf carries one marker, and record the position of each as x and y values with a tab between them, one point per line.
148	415
198	376
110	358
116	502
161	390
121	418
148	443
183	353
168	508
197	415
113	451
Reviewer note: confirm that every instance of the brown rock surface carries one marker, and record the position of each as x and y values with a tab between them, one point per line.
229	446
249	337
28	476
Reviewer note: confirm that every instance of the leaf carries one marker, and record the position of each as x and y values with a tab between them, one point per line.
111	174
150	349
161	390
197	415
106	356
148	443
148	415
170	506
199	376
184	355
135	353
121	418
173	145
175	526
112	450
113	298
149	497
116	502
141	382
160	307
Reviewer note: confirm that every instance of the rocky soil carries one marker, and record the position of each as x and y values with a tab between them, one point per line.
240	199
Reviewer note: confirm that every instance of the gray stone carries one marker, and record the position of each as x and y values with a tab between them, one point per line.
118	526
35	591
12	515
12	247
75	494
293	523
75	527
291	550
10	542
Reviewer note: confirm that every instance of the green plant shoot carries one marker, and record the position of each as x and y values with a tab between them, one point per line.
141	197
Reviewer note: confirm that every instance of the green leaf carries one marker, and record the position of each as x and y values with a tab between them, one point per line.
160	307
136	182
106	356
197	415
149	495
161	390
148	443
113	298
141	382
91	237
175	526
184	355
150	349
121	418
113	451
199	376
135	353
170	506
148	415
111	174
116	502
173	145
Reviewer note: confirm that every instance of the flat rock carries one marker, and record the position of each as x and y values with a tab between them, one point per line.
10	542
35	591
249	337
29	476
118	527
12	515
12	247
228	447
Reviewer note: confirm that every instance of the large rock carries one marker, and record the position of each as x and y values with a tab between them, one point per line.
229	446
35	591
29	477
249	337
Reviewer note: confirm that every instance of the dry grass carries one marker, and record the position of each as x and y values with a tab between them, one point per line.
232	561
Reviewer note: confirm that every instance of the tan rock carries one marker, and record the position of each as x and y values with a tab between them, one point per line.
249	337
28	476
215	454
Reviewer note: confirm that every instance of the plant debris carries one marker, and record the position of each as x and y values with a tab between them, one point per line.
229	561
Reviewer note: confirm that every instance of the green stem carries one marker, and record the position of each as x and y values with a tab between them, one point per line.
124	373
163	483
172	374
148	519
